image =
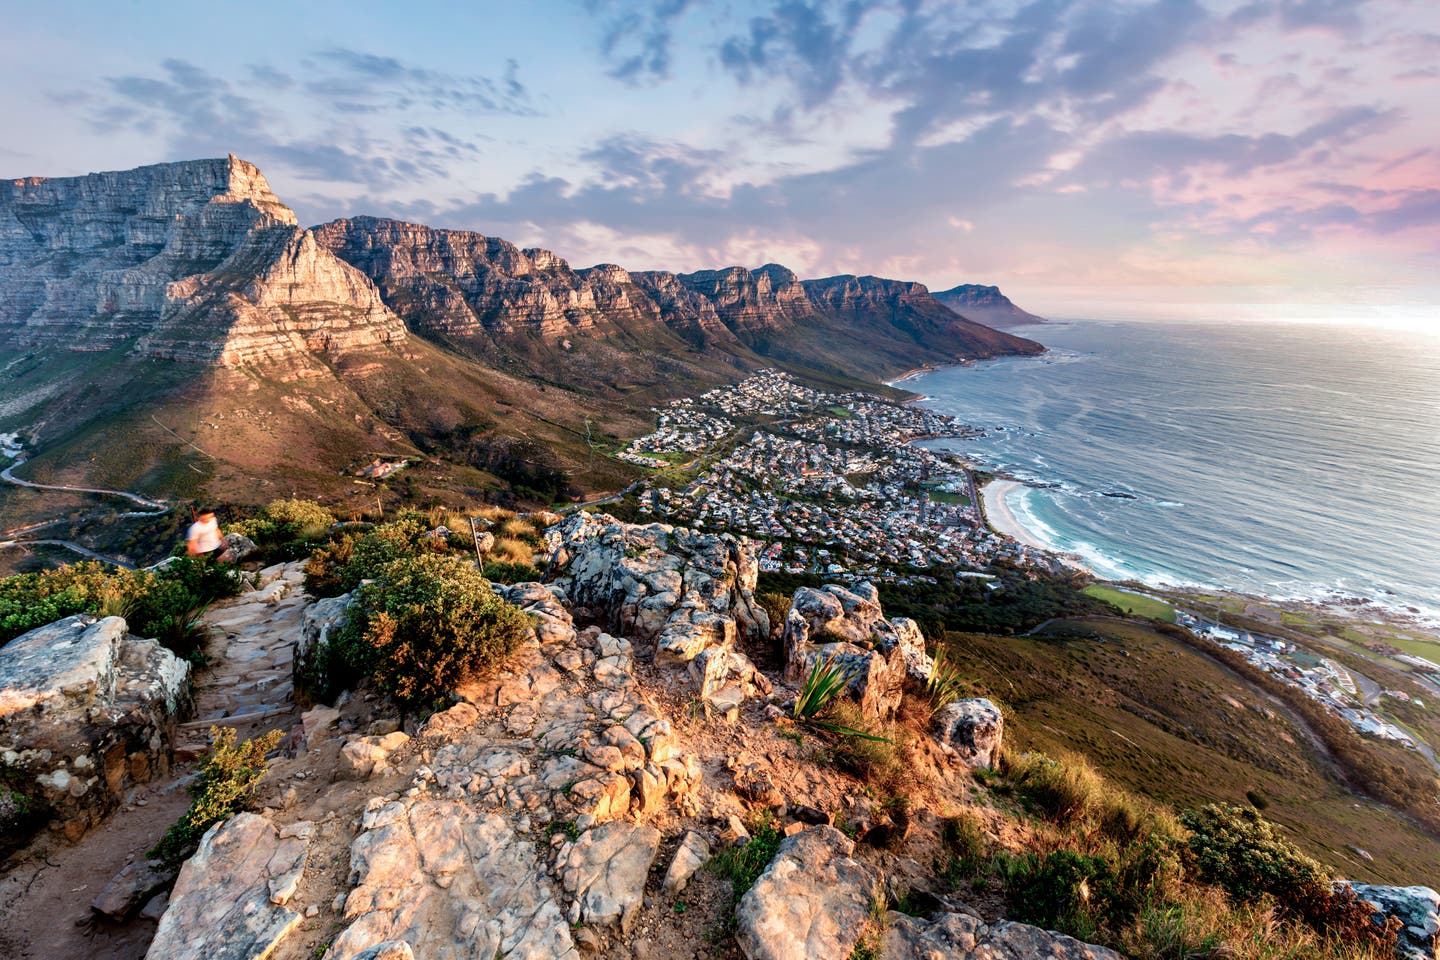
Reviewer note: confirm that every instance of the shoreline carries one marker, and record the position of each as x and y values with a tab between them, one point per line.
1002	519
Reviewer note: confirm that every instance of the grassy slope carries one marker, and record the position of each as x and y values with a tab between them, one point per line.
1133	603
1161	721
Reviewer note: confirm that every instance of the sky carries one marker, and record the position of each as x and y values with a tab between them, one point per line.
1269	159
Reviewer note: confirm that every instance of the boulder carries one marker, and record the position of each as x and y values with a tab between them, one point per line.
231	899
690	856
321	621
86	712
604	871
969	731
847	627
235	547
365	757
440	878
1417	908
131	888
812	900
959	935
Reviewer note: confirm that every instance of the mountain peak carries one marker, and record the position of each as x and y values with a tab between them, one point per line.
986	304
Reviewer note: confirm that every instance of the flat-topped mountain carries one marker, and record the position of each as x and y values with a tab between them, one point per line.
985	304
191	261
179	312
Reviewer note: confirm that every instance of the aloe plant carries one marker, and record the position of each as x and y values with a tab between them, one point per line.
946	683
826	679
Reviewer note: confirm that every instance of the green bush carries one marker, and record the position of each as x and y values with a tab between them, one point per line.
227	777
1242	853
505	572
340	565
425	625
164	604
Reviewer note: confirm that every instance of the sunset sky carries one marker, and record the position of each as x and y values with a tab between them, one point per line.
1174	158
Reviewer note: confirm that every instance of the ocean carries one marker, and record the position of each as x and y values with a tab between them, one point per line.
1286	460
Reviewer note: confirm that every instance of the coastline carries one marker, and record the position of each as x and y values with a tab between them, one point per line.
1002	519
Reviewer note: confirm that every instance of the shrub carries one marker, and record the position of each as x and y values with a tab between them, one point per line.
777	607
743	865
1241	852
227	777
1061	890
164	604
340	565
505	572
426	625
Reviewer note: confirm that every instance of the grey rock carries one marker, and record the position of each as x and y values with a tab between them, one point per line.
958	936
690	856
1418	909
132	887
811	901
321	621
222	906
449	881
605	870
970	730
86	712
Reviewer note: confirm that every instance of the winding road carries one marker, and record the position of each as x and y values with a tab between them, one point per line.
156	508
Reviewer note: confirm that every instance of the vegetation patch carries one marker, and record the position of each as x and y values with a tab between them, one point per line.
222	787
1132	603
426	624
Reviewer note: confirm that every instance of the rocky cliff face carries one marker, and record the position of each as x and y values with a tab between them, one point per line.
194	261
464	284
985	304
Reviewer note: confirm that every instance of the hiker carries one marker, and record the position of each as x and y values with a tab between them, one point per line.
203	538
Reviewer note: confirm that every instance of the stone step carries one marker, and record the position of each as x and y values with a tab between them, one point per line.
239	719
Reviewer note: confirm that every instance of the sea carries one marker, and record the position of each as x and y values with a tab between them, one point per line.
1289	460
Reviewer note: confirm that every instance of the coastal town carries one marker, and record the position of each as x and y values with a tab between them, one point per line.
828	483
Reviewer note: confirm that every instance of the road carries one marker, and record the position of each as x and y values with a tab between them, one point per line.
157	508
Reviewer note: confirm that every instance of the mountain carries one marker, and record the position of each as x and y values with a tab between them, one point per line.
985	304
173	329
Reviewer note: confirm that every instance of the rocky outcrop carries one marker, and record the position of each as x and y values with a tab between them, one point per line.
231	901
445	878
195	261
86	712
970	731
1418	910
959	935
812	900
847	627
318	625
985	304
687	597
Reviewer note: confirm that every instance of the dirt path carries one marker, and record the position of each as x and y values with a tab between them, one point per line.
45	894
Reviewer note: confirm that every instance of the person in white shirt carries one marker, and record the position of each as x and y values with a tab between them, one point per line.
203	539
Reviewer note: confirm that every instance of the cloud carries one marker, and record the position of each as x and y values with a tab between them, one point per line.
638	37
200	113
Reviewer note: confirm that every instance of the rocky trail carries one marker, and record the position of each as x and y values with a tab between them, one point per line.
248	683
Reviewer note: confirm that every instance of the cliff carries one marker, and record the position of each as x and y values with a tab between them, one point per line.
195	261
985	304
468	286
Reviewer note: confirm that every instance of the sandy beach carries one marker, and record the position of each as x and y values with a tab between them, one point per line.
1000	517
